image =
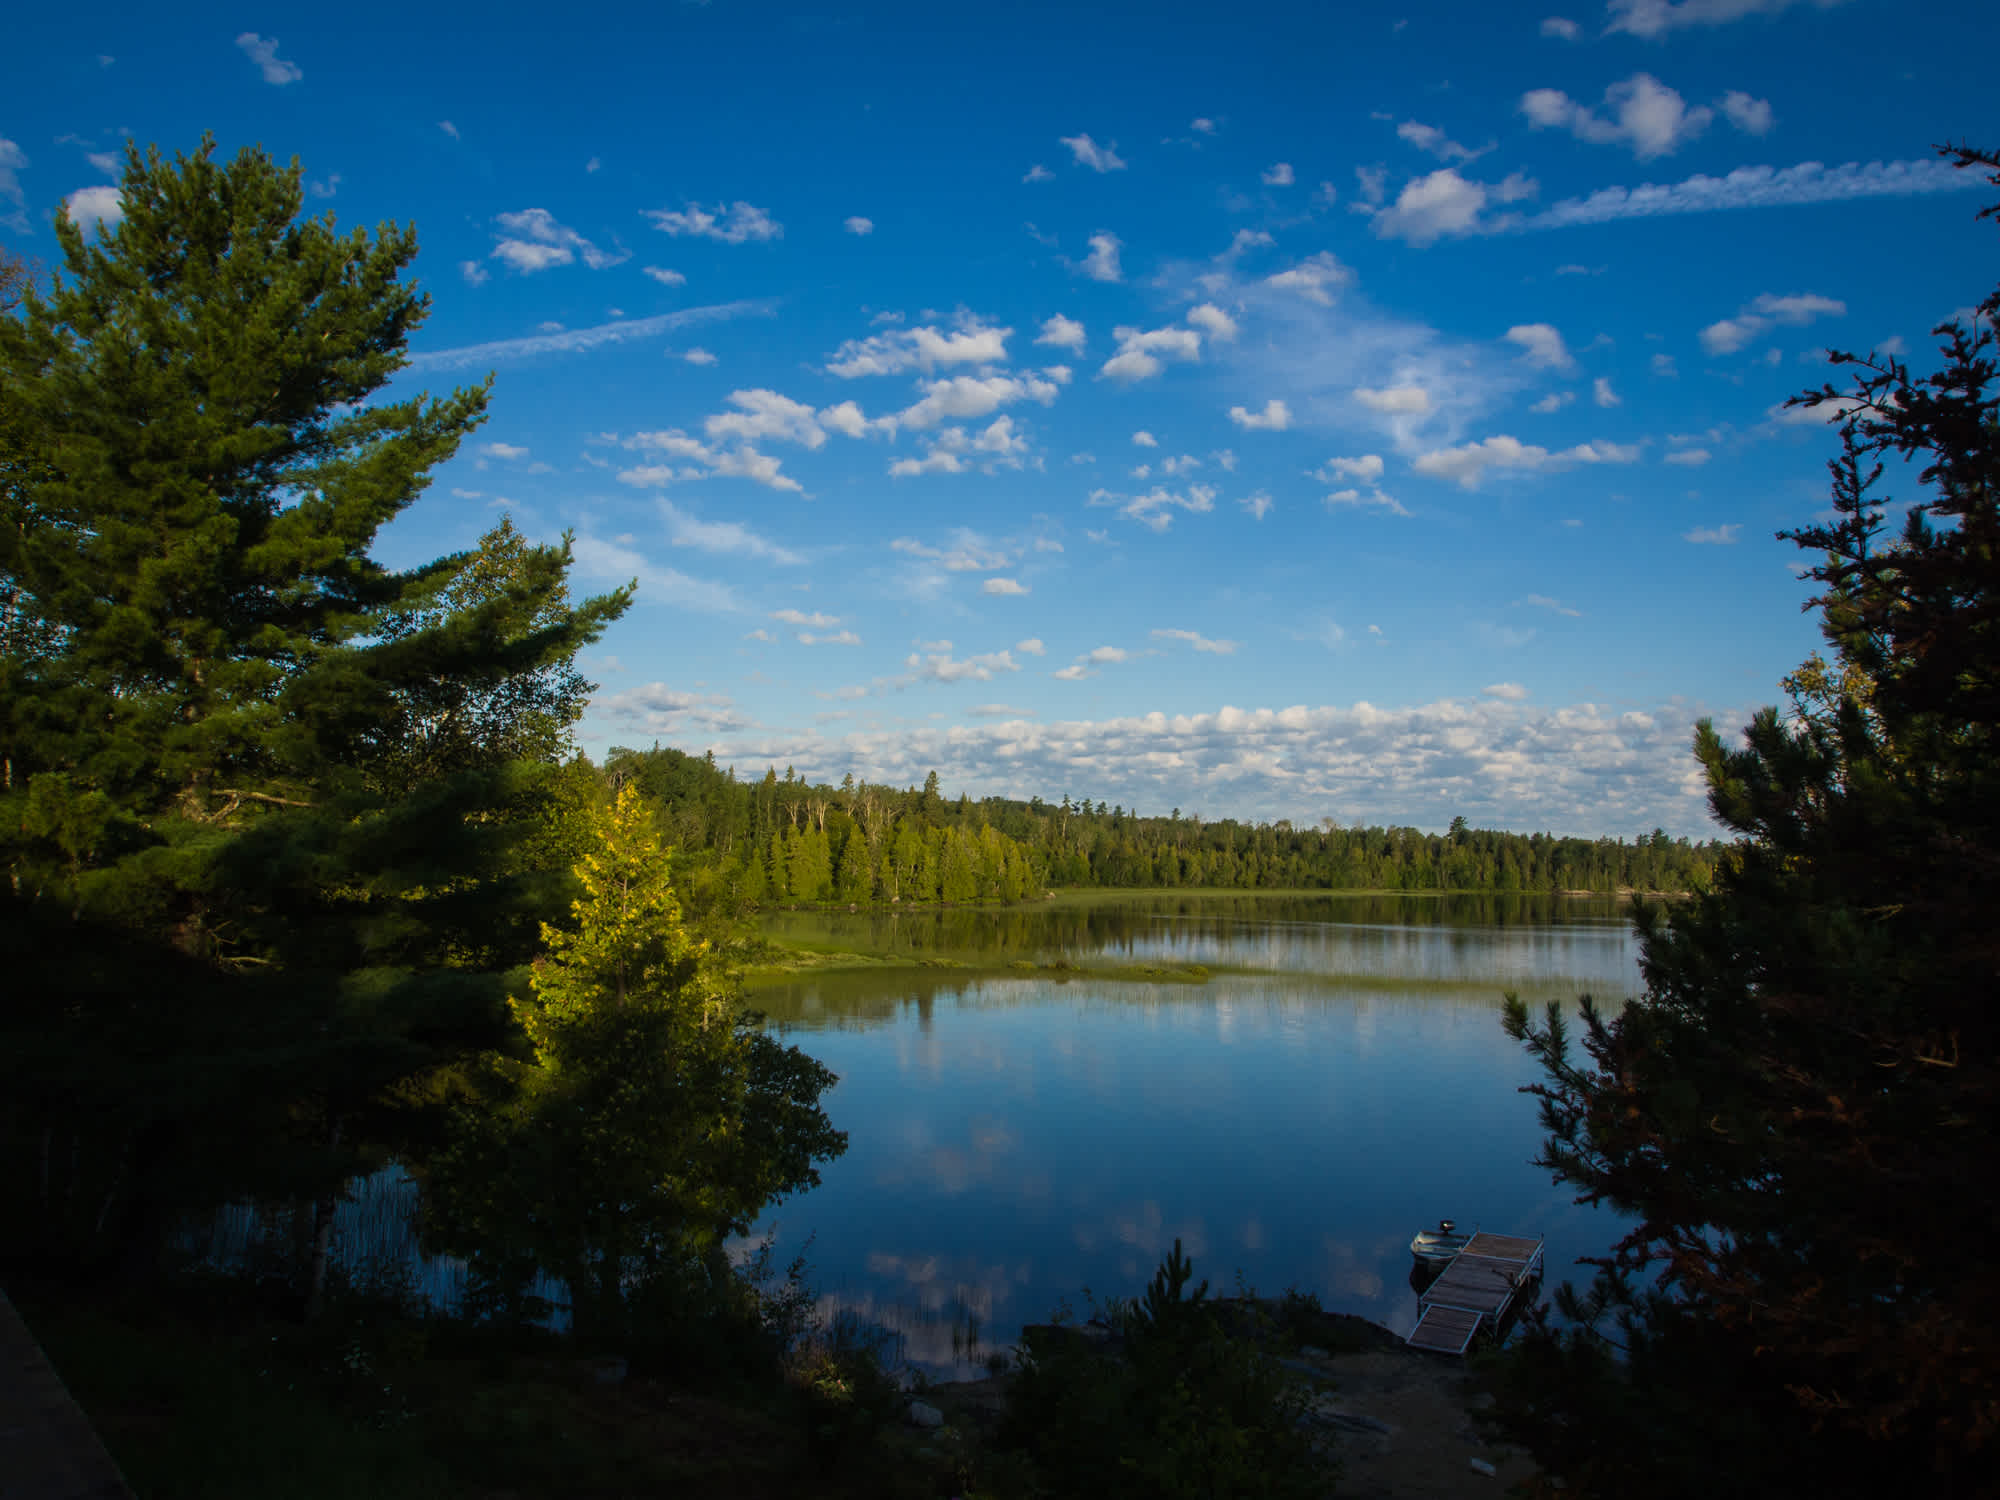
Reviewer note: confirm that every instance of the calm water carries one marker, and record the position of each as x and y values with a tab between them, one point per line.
1340	1082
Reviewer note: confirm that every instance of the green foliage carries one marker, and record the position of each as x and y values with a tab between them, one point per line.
274	817
1794	1113
1187	1410
651	1118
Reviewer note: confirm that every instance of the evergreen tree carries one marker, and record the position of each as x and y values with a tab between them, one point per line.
652	1117
1796	1113
244	937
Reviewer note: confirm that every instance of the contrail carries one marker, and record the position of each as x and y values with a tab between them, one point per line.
576	340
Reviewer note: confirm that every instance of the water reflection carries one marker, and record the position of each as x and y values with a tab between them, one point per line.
1336	1085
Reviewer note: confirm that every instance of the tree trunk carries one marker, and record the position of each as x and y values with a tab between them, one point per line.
322	1239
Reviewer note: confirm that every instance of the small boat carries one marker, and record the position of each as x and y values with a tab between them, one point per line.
1436	1247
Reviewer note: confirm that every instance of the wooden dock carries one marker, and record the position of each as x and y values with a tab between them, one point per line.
1475	1291
48	1449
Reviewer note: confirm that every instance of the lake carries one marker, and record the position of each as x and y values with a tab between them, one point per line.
1339	1081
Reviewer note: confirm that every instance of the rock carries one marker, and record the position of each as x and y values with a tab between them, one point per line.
923	1414
609	1370
1308	1351
1481	1466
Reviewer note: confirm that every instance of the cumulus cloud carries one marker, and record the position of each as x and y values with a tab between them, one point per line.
1062	333
1246	240
1653	19
1718	536
94	208
971	342
858	225
12	160
1543	346
1467	463
763	414
448	128
1578	768
1089	154
1728	335
733	224
1141	352
963	397
1315	279
1688	457
815	620
263	51
1102	262
474	273
1554	401
1213	321
1395	401
1199	641
1007	586
1144	440
1430	139
1507	692
665	277
534	241
1156	508
506	452
1431	207
1602	394
1561	28
665	712
1367	469
1749	115
1030	647
683	457
1275	417
1646	115
1258	504
1279	175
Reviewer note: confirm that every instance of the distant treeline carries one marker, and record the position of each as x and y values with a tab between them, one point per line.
784	840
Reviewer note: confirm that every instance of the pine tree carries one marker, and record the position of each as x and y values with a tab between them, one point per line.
651	1119
1798	1112
252	921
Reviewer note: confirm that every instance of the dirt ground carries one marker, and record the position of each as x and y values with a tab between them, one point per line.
1424	1401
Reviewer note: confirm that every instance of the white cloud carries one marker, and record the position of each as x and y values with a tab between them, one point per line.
943	667
1663	365
1718	536
700	461
1199	641
12	160
1089	154
448	128
615	562
594	164
1102	262
1373	183
1099	656
542	242
858	225
727	538
1275	417
1009	586
263	51
506	452
474	273
1155	509
1395	401
1204	126
1431	207
1731	334
1543	601
926	348
1602	394
961	397
814	621
1312	278
1509	692
1544	346
1750	115
1430	139
846	418
1140	350
1072	674
1213	321
1062	333
327	187
1367	469
665	277
1246	240
94	208
1467	463
1259	505
1145	440
1561	28
1689	457
1649	117
1836	410
699	357
1554	401
1038	173
765	414
838	638
663	712
1279	175
1371	499
1030	647
732	224
1653	19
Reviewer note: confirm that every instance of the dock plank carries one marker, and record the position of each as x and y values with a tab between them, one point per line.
1444	1330
1503	1247
1476	1282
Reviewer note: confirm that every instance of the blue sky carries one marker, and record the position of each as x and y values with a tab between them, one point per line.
1279	411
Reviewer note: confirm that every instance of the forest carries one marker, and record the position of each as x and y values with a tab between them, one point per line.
784	840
